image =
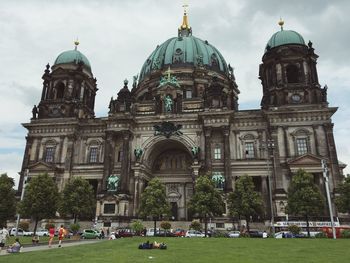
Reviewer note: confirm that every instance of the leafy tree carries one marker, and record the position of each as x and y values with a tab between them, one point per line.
196	225
137	226
153	201
342	201
304	197
166	225
207	200
78	199
24	225
244	201
40	199
7	199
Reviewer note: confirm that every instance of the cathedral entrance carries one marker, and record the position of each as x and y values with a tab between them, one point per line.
171	163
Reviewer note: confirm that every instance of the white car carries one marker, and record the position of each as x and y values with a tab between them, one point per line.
150	232
21	232
194	233
233	234
42	232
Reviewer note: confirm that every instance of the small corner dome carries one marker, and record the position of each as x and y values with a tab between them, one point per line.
72	56
285	37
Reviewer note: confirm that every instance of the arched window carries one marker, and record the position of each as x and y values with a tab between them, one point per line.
292	74
59	90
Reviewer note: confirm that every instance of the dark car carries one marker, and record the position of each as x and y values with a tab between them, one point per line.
256	234
125	232
163	233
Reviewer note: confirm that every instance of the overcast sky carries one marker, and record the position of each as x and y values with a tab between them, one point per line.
117	37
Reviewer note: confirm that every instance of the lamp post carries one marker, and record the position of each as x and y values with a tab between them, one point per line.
325	176
270	146
26	173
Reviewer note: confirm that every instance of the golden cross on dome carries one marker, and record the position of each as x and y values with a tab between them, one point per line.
76	43
168	73
185	5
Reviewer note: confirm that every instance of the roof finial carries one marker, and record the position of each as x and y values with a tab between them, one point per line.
281	23
185	28
76	43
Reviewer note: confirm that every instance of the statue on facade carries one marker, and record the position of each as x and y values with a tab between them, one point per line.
138	152
195	151
112	183
218	180
34	112
134	83
168	102
111	106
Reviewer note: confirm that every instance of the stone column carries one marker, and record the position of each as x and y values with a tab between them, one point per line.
286	144
333	158
314	130
276	165
125	165
136	192
25	161
207	134
108	161
227	160
265	194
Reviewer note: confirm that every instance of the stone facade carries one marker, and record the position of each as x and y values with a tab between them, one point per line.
198	130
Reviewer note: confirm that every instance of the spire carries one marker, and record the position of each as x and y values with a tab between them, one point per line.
281	23
185	29
76	43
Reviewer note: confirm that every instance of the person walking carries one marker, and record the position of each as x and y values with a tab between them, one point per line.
61	232
51	235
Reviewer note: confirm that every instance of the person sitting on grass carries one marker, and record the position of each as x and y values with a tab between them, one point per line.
35	240
15	247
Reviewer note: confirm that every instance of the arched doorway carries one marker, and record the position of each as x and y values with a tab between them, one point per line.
171	161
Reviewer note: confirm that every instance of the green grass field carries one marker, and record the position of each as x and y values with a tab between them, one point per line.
196	250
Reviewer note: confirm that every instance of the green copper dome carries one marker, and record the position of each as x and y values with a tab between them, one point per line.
184	50
72	56
285	37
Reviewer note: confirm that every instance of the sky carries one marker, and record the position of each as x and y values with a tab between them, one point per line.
118	36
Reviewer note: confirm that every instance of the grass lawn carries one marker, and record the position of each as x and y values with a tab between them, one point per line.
216	250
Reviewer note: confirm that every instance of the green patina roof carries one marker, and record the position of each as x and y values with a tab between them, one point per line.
285	37
192	50
72	56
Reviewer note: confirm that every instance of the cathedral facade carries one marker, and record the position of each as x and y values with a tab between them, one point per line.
180	118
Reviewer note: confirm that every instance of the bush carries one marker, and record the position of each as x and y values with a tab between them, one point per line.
196	225
321	235
75	228
24	225
345	234
165	225
137	226
294	229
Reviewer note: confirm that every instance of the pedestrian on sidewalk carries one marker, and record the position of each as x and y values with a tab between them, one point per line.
51	235
3	236
61	232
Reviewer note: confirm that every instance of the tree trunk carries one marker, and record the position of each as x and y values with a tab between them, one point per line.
75	218
205	225
247	220
155	226
35	226
307	226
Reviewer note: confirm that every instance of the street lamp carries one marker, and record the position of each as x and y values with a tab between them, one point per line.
26	173
270	145
325	176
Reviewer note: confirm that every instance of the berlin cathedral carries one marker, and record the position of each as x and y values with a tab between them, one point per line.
180	118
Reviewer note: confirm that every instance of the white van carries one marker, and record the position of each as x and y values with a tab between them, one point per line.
12	232
150	232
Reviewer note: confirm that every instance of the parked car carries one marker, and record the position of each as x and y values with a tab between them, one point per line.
42	232
163	233
283	234
124	232
256	233
90	234
233	234
180	232
150	232
21	232
194	233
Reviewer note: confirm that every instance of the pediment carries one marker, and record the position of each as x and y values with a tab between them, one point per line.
307	159
42	167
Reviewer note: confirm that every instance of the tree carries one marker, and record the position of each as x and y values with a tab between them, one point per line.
153	201
342	201
40	199
78	199
7	199
304	197
166	225
137	226
245	201
206	200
